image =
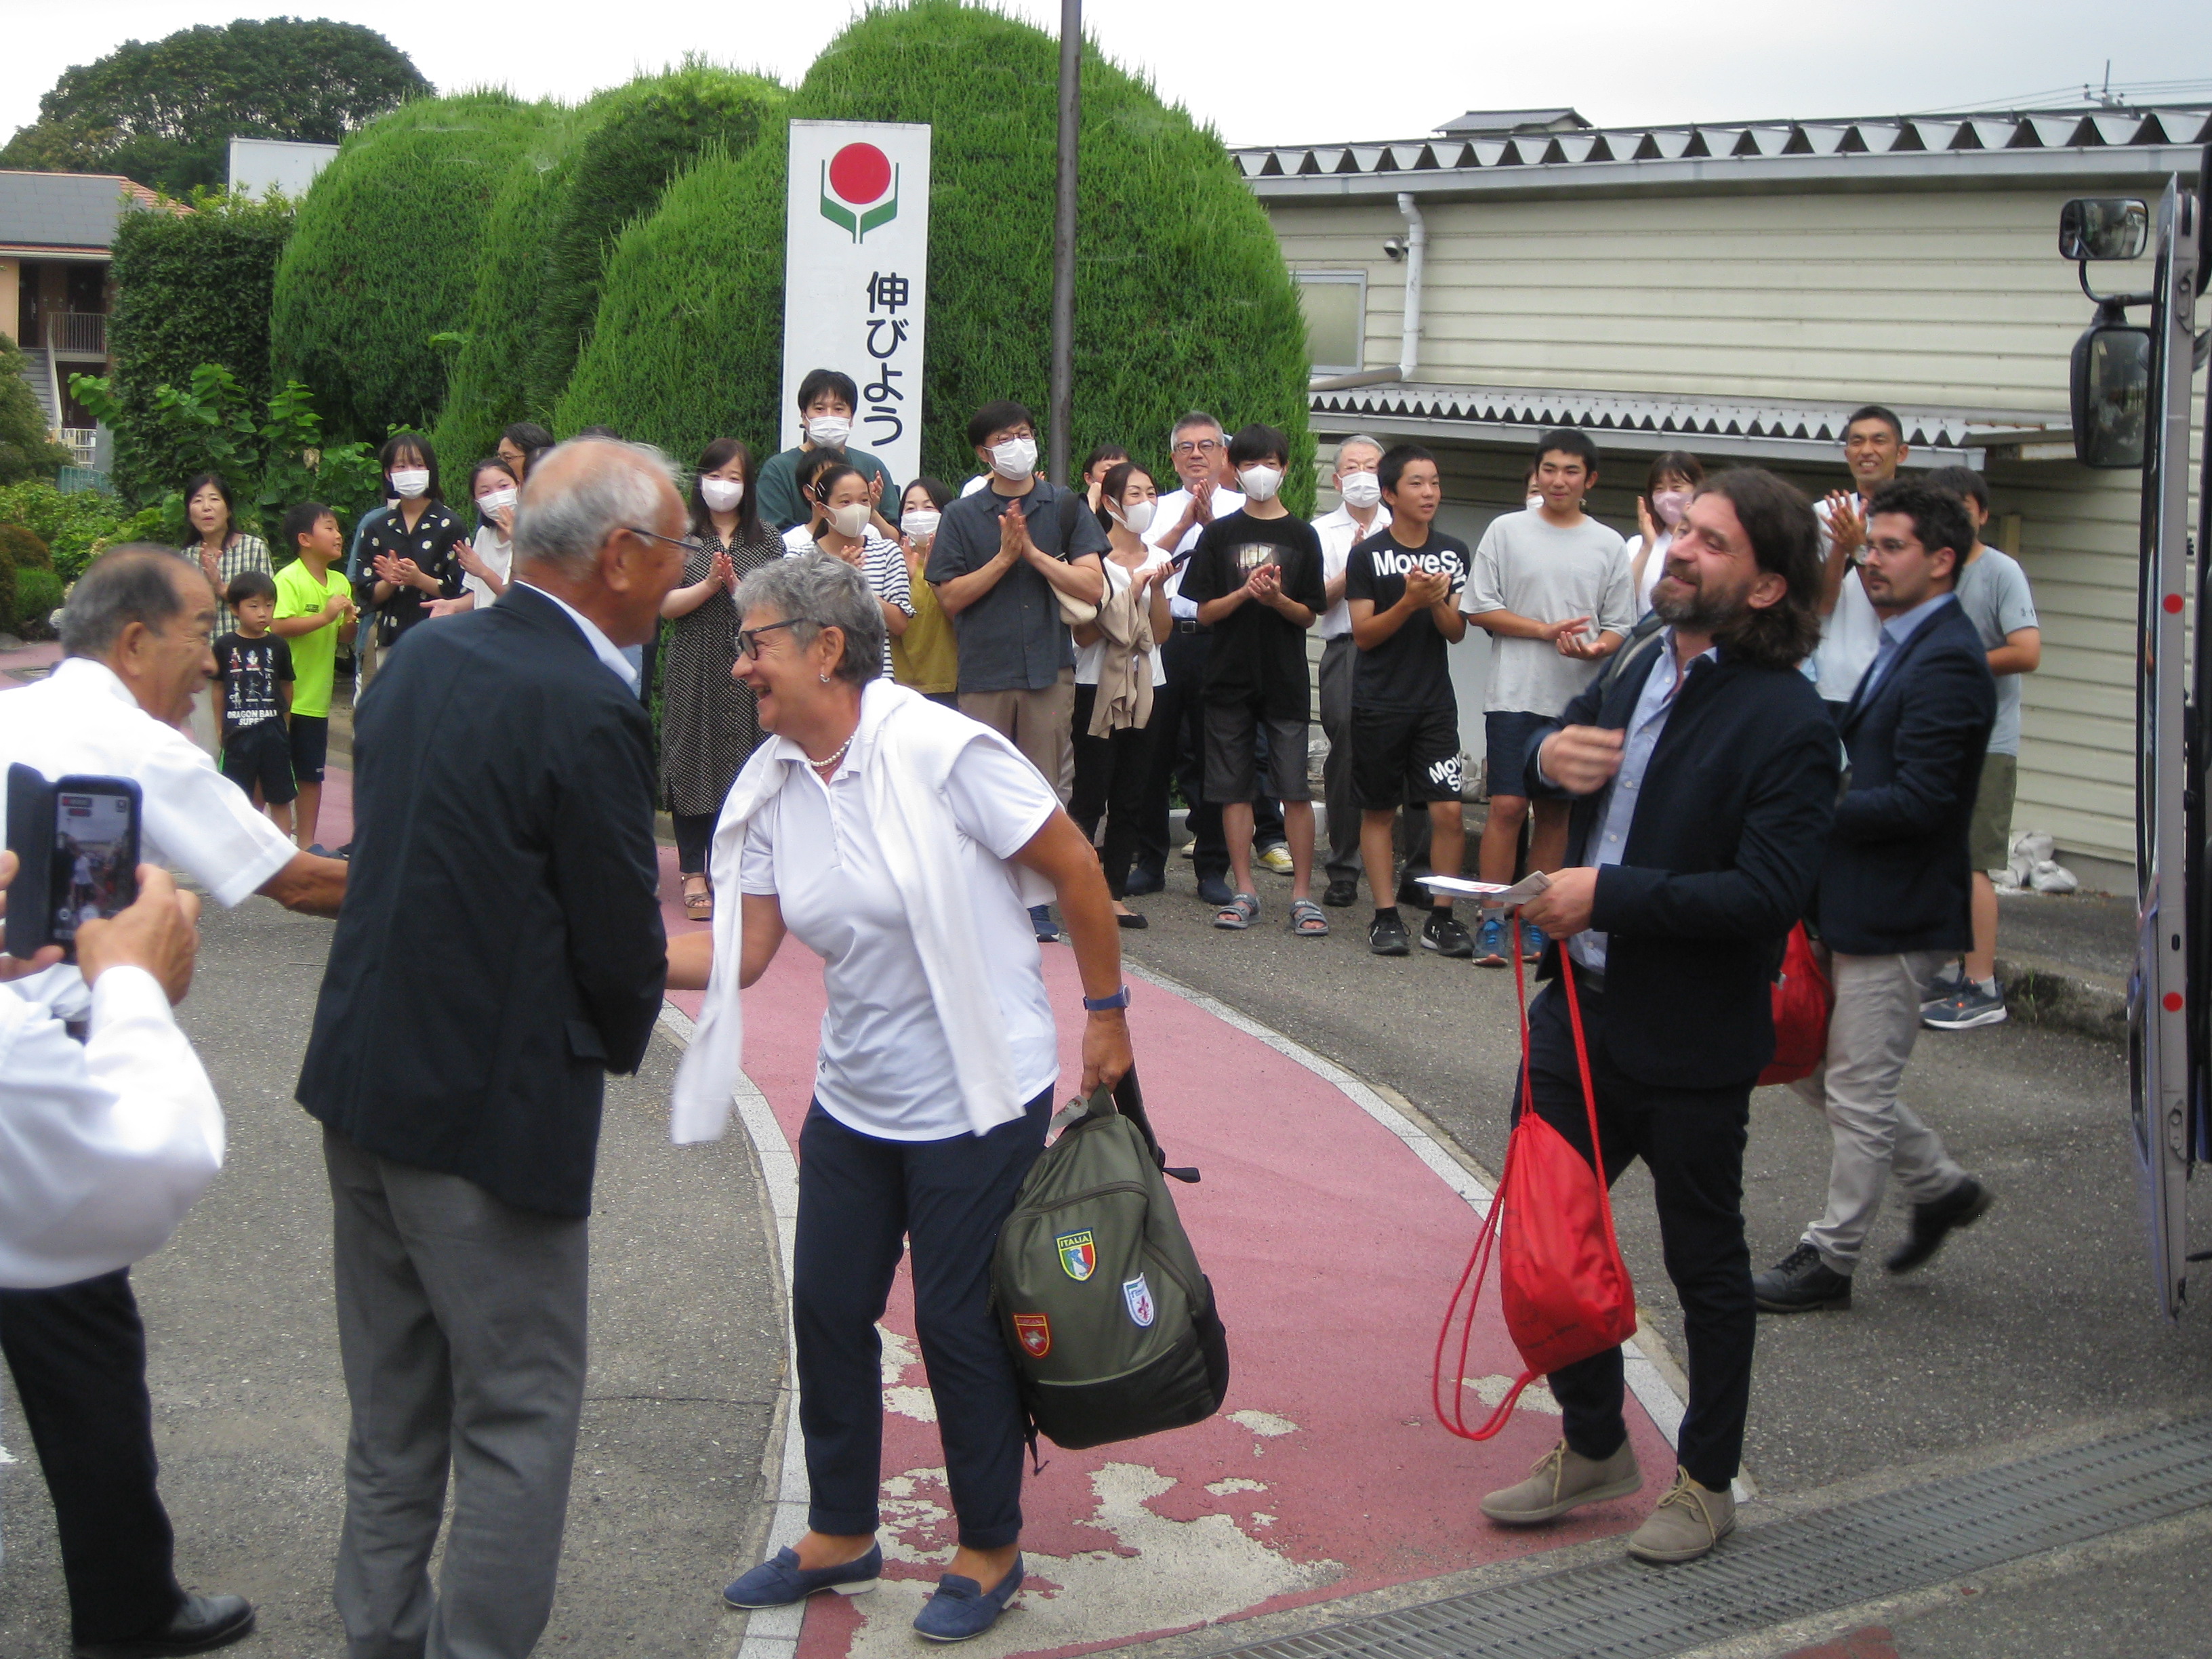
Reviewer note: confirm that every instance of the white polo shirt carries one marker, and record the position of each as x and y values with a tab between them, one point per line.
1340	533
1851	633
81	721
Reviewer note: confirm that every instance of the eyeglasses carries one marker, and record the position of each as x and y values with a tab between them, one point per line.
749	639
1198	446
689	543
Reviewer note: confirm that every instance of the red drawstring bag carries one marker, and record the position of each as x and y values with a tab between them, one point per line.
1564	1288
1804	997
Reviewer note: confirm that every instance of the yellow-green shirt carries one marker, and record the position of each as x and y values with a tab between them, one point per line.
314	654
927	656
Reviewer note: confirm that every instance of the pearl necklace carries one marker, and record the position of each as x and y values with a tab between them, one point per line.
822	769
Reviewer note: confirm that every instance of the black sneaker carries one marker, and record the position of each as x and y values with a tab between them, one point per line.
1932	1223
1801	1282
1447	935
1387	935
1341	895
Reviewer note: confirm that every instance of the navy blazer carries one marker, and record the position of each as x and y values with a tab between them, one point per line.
499	949
1720	861
1896	876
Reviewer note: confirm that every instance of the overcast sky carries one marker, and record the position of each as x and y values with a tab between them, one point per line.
1288	72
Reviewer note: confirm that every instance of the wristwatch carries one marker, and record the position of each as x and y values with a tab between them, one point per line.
1102	1004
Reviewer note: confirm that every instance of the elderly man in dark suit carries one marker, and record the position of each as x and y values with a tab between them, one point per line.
500	952
1895	895
1702	770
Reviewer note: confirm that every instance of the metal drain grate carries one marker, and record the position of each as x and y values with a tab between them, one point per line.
1855	1552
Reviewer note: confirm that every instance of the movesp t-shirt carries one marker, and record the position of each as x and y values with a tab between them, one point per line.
1408	671
314	654
1257	653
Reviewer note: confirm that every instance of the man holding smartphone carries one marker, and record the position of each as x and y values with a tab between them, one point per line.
135	638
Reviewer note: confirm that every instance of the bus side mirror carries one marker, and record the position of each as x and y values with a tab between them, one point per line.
2111	394
2103	227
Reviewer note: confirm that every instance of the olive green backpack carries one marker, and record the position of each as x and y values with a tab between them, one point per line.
1099	1295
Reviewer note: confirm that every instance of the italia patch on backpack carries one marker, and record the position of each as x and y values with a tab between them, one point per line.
1111	1323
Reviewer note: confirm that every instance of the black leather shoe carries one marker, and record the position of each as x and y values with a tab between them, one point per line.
1340	894
1801	1282
1932	1223
204	1622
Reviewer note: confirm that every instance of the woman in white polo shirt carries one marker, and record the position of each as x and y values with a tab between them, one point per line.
902	843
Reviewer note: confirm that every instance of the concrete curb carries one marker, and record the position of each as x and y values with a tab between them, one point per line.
2048	994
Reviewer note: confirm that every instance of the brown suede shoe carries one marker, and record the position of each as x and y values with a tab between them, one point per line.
1563	1480
1690	1520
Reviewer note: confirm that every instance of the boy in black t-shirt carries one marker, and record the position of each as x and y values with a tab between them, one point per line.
1256	578
1401	587
255	667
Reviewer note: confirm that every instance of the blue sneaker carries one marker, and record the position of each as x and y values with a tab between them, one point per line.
1532	941
1489	942
780	1583
962	1608
1048	930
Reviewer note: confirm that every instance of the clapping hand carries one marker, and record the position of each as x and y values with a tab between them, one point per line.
1427	587
724	572
1846	528
467	557
1013	531
1648	525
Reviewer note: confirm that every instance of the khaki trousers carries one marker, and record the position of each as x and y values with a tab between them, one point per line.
1041	724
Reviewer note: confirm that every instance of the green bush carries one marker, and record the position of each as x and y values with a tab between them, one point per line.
76	525
27	449
384	257
38	595
1183	298
190	288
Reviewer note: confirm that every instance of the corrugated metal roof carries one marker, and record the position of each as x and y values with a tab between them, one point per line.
2057	143
65	210
1777	428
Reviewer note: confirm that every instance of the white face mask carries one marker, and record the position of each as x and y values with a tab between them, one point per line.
829	431
1361	489
1534	502
1136	518
411	482
720	494
849	519
920	523
1258	483
498	501
1014	459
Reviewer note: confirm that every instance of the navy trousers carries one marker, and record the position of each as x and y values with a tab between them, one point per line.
859	1199
1692	1142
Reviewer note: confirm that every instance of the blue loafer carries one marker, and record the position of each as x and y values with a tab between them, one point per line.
961	1608
780	1583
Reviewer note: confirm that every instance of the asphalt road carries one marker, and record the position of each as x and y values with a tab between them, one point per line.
249	1409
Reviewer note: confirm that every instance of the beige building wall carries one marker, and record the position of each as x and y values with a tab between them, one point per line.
10	294
1949	299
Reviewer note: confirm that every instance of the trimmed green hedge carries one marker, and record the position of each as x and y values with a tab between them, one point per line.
190	288
386	256
1183	298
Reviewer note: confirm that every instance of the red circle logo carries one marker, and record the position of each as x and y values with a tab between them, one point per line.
2173	1002
859	174
2173	604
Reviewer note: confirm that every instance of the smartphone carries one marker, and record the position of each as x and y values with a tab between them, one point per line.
76	840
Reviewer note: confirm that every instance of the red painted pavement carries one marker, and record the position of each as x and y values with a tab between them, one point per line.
1333	1250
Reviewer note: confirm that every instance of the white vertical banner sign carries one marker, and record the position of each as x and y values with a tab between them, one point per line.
855	274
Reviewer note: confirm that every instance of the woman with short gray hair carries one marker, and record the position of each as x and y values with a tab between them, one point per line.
901	841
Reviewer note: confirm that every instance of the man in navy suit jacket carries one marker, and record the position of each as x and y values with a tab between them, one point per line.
1702	770
1893	903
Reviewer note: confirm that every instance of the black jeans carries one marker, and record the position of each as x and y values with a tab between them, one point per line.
1178	729
78	1353
1111	774
858	1197
1691	1140
694	834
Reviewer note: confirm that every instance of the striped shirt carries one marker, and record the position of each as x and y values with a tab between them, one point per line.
240	554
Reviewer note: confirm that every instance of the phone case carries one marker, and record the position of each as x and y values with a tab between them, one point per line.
30	806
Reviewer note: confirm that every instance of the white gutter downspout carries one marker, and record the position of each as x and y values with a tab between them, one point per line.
1417	245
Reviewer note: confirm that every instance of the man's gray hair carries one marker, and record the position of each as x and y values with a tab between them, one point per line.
820	592
135	583
1357	438
1196	417
566	519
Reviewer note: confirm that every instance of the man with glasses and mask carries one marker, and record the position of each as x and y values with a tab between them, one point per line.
501	951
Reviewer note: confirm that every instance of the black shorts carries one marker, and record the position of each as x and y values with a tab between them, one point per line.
1232	761
1506	735
1404	758
310	746
261	755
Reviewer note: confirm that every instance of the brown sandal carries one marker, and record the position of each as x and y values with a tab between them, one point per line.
700	906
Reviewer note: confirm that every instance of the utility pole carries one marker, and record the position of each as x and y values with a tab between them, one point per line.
1061	419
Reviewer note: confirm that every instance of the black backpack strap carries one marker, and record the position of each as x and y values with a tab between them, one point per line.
1129	1101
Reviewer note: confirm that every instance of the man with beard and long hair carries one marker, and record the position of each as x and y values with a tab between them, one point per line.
1702	778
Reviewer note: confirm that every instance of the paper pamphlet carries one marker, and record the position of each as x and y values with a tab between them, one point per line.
1493	896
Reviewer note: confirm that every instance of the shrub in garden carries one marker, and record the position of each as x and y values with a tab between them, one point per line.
38	596
1182	294
384	257
27	448
76	525
190	288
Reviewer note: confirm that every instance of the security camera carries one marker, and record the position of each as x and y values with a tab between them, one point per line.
1395	248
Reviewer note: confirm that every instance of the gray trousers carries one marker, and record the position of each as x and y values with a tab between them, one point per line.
1870	1037
461	1328
1341	861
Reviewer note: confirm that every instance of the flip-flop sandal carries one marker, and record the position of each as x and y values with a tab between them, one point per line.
1237	916
1306	920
